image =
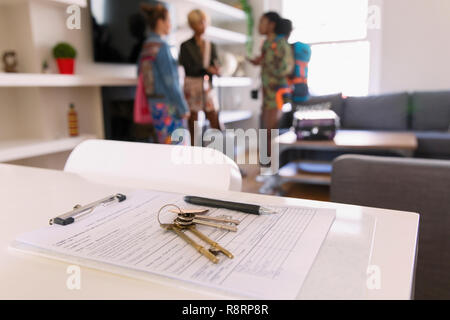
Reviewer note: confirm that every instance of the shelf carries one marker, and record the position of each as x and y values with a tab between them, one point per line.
230	116
232	82
223	36
292	172
217	35
58	80
12	150
81	3
217	11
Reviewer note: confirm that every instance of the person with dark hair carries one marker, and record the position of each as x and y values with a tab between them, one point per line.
302	55
277	64
284	28
168	108
298	79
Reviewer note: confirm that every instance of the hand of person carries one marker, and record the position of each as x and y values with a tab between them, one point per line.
255	61
213	70
186	115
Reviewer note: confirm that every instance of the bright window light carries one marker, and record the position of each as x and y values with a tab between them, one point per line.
337	31
340	67
98	10
327	20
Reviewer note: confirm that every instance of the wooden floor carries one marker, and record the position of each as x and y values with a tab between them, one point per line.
294	190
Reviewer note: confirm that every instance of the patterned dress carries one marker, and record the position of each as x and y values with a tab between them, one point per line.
277	65
161	81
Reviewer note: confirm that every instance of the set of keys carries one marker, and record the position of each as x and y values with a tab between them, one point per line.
187	220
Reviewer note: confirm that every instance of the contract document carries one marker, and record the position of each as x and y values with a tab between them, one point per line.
272	253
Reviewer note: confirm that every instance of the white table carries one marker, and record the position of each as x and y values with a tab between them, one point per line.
359	237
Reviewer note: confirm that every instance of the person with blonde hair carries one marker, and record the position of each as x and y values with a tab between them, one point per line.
199	58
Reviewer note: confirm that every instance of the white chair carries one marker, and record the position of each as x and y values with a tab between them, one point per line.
154	164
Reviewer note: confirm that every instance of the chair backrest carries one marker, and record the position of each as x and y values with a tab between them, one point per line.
416	185
201	168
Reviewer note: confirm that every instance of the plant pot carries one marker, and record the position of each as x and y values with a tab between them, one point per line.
66	65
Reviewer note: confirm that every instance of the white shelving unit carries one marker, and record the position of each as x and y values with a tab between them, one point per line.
13	150
223	36
230	116
18	80
218	35
216	10
33	106
58	80
231	82
81	3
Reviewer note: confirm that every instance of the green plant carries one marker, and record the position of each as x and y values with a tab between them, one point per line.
250	23
64	50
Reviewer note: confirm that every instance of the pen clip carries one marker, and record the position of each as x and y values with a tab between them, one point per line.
78	210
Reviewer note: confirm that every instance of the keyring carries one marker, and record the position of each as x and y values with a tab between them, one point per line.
165	206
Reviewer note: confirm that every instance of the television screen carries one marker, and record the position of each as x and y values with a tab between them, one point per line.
118	30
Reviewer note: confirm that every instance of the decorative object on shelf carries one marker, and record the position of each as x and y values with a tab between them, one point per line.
65	56
228	62
45	67
240	70
73	121
250	24
10	61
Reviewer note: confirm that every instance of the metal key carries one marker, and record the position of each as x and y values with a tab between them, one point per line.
182	235
187	220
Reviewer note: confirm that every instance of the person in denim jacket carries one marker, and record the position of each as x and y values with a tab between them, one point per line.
168	108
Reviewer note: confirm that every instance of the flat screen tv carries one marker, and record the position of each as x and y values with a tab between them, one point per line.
118	30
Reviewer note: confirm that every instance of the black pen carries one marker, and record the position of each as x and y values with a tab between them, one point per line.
243	207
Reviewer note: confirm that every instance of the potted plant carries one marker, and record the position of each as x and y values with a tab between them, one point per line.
65	55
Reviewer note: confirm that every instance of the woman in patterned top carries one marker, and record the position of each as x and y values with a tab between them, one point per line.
277	63
168	107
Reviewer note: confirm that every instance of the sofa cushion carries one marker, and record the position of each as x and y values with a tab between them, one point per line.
381	112
433	144
431	110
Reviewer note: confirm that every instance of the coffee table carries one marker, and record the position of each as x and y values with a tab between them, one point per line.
401	143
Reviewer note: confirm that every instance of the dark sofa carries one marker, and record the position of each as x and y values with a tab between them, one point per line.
427	114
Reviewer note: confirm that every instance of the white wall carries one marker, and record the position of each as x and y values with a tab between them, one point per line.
415	53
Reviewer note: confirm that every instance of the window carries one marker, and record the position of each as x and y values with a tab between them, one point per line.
337	32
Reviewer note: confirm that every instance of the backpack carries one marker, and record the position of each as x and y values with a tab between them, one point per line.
299	78
146	64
